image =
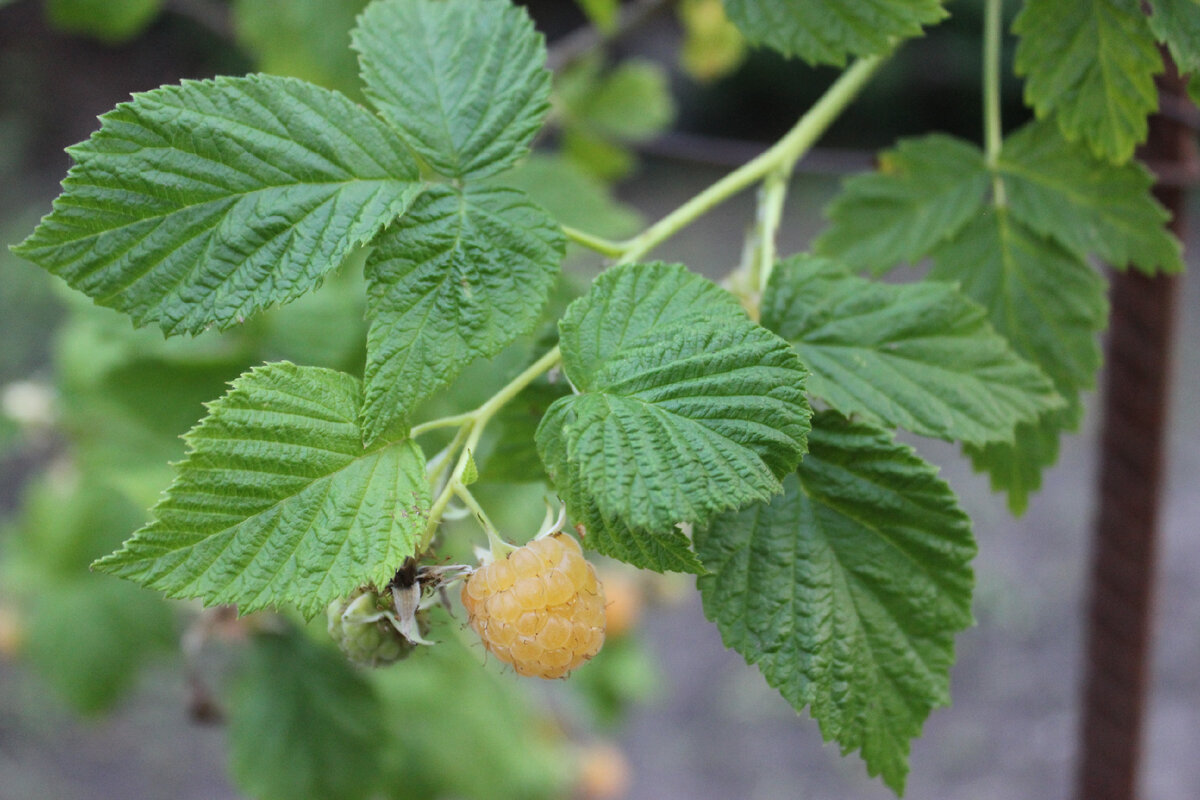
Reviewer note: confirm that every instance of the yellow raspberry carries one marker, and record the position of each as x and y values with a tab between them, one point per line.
541	608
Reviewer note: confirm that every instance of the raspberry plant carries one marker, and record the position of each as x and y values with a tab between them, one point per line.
673	415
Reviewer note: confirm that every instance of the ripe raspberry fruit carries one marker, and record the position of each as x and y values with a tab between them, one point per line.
540	608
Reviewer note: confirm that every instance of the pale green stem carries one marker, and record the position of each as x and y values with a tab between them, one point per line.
770	214
605	247
786	151
474	423
993	135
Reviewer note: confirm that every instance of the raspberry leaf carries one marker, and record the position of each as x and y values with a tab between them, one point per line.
1177	23
461	276
1097	92
197	205
685	406
924	192
303	723
921	356
463	80
1087	205
1050	305
824	33
277	501
847	589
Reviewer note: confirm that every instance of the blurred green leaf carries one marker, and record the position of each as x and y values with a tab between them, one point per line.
308	39
87	634
110	21
1177	23
712	45
1088	205
573	196
602	13
1090	63
458	729
303	724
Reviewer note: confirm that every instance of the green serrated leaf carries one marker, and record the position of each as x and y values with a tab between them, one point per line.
1088	205
277	502
303	723
660	550
463	80
1049	304
512	456
925	191
685	407
112	22
921	356
1090	63
461	276
1177	24
307	39
1017	469
847	589
197	205
824	33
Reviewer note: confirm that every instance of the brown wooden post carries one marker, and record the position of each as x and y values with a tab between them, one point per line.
1121	592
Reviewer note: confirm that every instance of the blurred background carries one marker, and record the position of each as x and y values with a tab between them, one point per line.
99	699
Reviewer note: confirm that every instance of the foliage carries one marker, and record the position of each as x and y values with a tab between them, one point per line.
398	268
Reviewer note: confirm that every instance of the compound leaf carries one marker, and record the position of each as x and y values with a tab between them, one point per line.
1091	63
1086	204
463	80
278	503
463	274
1048	303
924	192
685	407
303	723
847	589
823	33
922	356
1177	23
199	204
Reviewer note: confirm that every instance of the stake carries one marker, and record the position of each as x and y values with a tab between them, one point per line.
1121	591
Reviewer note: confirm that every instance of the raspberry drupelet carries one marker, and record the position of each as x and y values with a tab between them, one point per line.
540	609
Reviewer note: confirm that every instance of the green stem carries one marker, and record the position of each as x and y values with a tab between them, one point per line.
783	153
605	247
473	423
770	215
993	135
